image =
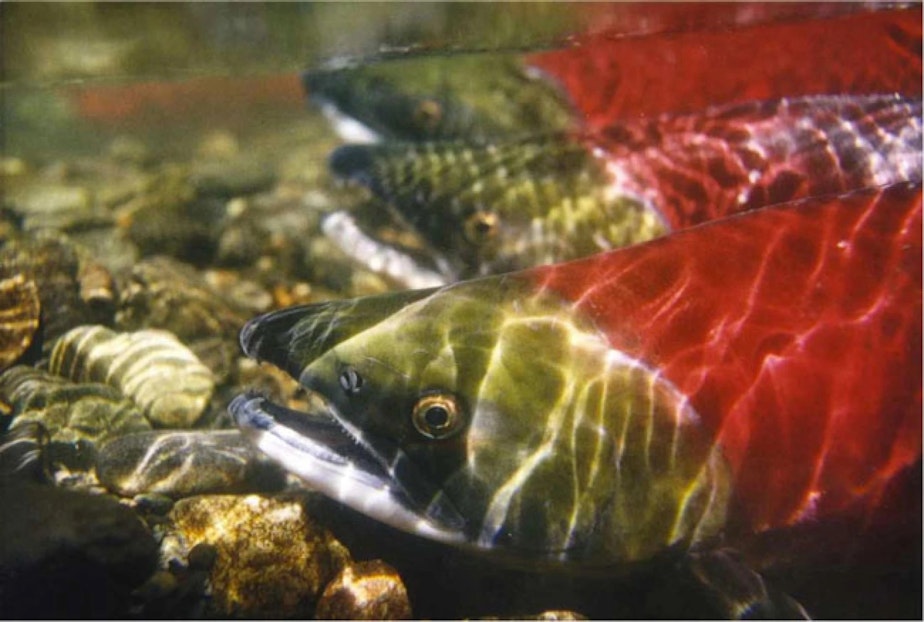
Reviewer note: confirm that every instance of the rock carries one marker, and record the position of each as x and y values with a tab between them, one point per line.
559	614
65	554
22	453
68	411
130	150
182	464
151	367
19	316
270	232
170	219
370	590
161	292
242	294
218	145
152	504
231	177
272	560
551	614
63	207
202	556
72	464
97	287
53	263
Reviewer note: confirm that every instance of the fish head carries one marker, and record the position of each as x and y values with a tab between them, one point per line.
420	97
485	208
489	415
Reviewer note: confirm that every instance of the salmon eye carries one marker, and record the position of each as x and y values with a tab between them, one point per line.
481	227
437	416
428	113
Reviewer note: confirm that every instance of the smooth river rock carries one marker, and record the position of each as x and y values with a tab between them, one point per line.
272	560
185	463
370	590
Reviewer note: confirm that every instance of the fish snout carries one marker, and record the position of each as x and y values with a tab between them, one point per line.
246	412
269	337
251	338
352	162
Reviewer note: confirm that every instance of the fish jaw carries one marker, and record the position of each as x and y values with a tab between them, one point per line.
561	448
394	263
317	449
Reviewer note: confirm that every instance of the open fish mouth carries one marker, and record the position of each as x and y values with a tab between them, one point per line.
320	450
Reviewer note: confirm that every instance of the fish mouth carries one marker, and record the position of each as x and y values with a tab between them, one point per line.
319	449
315	436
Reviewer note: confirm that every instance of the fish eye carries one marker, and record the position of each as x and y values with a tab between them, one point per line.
350	381
481	227
428	112
436	416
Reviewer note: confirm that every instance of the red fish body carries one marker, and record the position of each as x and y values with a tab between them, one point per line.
610	77
794	332
691	168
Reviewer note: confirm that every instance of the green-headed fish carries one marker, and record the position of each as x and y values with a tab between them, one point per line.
492	207
663	131
747	376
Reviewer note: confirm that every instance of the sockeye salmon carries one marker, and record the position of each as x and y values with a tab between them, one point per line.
492	207
651	59
493	172
613	75
744	377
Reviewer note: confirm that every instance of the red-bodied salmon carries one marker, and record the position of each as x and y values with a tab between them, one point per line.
748	376
486	207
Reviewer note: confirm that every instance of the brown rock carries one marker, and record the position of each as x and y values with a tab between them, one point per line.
272	559
19	316
370	590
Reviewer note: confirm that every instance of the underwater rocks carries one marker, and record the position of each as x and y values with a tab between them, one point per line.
59	270
181	464
68	411
161	375
161	292
21	454
118	247
231	176
550	615
65	554
272	559
370	590
59	204
19	316
169	218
